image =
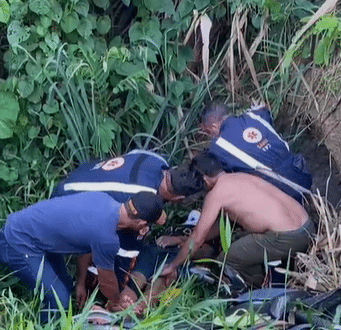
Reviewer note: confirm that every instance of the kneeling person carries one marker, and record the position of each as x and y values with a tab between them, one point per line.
276	223
82	223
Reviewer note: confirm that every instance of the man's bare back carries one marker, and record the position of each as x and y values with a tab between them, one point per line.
255	204
260	208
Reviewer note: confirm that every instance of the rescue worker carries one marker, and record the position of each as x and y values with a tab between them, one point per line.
121	178
248	143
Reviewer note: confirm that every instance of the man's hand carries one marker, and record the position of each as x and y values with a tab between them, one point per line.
164	241
169	272
81	295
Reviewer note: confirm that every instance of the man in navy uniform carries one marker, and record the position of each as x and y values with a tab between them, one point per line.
249	143
121	178
35	239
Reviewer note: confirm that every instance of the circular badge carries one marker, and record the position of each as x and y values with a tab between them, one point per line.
113	164
252	135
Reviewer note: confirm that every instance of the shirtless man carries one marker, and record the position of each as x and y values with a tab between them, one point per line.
276	223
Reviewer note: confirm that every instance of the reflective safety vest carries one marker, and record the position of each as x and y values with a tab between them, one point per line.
249	143
120	177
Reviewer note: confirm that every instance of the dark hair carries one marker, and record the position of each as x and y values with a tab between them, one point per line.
185	182
214	111
148	206
206	164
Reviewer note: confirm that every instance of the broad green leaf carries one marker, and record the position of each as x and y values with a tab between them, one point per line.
161	6
17	33
9	109
52	40
8	174
50	141
41	30
130	69
51	107
10	151
18	10
92	19
40	7
275	9
33	132
84	28
46	120
32	69
103	24
147	31
37	94
70	22
177	88
179	63
102	3
25	87
4	11
201	4
185	8
45	21
56	11
151	55
126	2
82	7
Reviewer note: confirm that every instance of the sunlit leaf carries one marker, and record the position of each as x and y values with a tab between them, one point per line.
9	109
40	7
17	33
50	141
70	22
4	11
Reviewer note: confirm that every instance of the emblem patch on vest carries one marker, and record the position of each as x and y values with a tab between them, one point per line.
113	164
252	135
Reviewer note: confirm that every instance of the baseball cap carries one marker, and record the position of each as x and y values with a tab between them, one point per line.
147	206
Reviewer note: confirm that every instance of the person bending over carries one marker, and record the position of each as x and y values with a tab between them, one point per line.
249	143
276	223
121	178
151	258
124	176
82	223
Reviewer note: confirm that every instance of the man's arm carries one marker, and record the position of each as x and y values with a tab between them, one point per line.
210	212
83	261
108	285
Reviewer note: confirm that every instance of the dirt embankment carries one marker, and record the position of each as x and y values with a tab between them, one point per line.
317	104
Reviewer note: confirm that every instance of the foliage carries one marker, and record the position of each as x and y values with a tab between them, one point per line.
72	90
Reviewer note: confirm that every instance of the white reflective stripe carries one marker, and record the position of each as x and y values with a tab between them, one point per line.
267	125
93	270
241	155
253	163
127	254
107	186
150	153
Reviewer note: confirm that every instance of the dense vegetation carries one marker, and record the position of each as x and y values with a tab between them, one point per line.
81	79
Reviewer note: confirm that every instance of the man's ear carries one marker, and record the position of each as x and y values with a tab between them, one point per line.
206	179
215	128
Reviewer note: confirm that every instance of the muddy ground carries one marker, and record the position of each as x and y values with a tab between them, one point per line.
325	173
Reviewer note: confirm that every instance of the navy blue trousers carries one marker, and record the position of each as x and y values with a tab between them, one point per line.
26	267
